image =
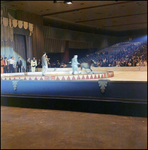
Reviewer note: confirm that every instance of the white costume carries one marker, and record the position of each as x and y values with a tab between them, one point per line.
33	65
44	64
74	64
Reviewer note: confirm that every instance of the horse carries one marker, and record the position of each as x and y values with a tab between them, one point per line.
87	65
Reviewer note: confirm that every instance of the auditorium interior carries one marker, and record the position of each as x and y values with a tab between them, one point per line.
103	106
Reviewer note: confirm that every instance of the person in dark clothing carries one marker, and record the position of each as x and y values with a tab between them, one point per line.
28	65
39	65
19	64
6	65
2	64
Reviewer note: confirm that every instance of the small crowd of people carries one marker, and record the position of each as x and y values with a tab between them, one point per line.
132	56
55	64
8	66
74	64
33	64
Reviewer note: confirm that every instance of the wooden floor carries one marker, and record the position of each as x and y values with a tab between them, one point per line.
25	128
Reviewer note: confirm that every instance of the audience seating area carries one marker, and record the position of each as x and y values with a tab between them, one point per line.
120	54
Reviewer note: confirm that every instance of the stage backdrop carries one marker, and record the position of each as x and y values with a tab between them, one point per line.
16	40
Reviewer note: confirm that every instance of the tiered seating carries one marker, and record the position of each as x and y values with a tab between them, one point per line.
118	52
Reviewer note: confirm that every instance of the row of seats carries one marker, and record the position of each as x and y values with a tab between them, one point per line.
123	51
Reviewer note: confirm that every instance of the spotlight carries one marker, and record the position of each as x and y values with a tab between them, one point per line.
68	2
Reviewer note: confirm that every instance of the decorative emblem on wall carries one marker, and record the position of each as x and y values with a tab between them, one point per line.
103	85
14	83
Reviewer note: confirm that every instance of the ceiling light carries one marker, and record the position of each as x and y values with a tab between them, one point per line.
68	2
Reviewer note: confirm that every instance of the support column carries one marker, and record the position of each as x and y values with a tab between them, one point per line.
66	53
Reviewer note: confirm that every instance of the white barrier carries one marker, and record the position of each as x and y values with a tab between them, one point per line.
139	68
69	70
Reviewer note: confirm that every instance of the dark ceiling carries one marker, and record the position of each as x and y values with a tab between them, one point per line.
88	16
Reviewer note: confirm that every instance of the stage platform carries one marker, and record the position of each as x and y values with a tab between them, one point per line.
57	76
111	73
104	87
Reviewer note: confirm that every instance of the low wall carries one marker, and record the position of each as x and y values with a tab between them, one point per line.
99	96
119	91
141	68
102	96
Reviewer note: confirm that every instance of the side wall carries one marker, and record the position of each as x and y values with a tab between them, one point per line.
99	41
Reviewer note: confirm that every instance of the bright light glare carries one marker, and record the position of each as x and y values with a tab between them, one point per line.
143	39
68	3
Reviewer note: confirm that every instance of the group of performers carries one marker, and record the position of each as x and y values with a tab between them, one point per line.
74	64
7	66
33	64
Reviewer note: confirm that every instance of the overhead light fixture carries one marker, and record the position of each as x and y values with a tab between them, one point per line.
68	2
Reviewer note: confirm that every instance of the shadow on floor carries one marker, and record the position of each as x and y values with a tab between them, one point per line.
116	108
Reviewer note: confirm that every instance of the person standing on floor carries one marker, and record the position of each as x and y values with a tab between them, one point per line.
19	64
49	65
33	64
6	65
44	64
2	64
74	64
14	69
39	65
28	65
11	64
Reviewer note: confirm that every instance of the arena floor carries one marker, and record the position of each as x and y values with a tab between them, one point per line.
129	76
118	75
